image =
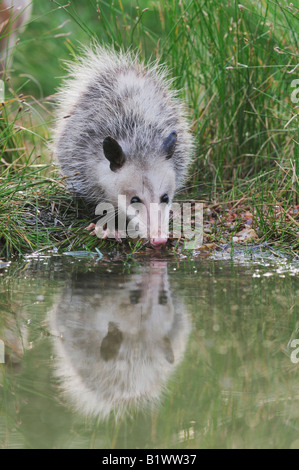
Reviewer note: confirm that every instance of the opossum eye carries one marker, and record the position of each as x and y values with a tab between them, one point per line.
114	153
165	198
169	144
135	199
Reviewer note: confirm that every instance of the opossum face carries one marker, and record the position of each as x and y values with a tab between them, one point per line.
148	201
149	190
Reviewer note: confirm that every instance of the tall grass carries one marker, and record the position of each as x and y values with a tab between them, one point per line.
234	65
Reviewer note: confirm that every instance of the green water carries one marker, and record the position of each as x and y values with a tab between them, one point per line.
150	353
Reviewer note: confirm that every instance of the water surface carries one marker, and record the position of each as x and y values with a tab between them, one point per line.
149	353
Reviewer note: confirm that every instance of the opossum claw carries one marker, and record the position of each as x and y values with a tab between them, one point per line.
104	233
90	227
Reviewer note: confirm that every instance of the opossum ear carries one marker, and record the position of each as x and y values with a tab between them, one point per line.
167	350
111	343
114	153
169	144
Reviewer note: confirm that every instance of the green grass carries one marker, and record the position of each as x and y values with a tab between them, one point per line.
234	66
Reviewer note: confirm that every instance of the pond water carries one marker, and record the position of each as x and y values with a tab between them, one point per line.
154	352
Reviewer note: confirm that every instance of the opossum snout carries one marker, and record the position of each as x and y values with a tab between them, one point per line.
158	242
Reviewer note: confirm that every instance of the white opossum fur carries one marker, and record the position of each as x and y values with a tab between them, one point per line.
122	130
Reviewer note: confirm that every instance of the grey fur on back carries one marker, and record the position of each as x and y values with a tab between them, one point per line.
114	94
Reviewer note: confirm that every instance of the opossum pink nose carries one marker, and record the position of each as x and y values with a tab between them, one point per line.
158	242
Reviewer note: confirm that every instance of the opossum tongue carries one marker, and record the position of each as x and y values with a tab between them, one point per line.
158	242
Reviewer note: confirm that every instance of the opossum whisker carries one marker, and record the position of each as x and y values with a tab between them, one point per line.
185	189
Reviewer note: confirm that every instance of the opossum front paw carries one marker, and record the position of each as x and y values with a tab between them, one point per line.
103	234
98	231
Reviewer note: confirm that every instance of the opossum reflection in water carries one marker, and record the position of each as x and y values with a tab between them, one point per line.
117	339
121	130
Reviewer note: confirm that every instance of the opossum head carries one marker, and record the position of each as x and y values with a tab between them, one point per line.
149	186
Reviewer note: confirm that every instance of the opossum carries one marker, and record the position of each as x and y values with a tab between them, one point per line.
14	14
122	130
